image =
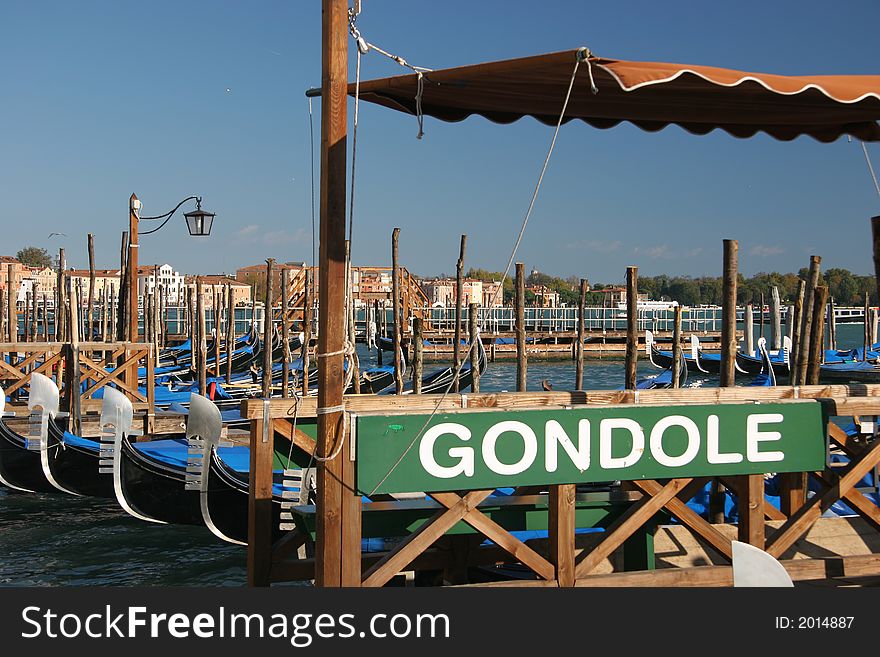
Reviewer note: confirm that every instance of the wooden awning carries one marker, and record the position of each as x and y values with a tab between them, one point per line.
651	95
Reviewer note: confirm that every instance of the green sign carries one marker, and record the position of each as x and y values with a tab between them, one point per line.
492	449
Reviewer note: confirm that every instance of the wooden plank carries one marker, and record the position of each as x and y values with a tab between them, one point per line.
751	510
495	532
295	435
856	499
422	538
259	549
804	518
678	507
636	516
561	532
351	518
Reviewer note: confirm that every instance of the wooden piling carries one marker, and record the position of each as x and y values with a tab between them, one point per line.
579	352
133	220
875	235
520	302
817	351
307	331
474	335
775	319
832	324
121	296
4	320
728	312
676	347
11	310
418	341
285	332
215	312
73	367
338	549
632	326
749	330
203	340
91	300
379	331
230	331
28	336
268	332
866	333
45	317
794	319
459	293
395	309
807	319
355	362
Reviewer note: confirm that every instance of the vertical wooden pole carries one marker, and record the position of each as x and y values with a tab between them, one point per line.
579	353
4	320
380	319
354	363
820	298
867	327
26	316
761	326
91	302
395	305
61	306
307	330
749	330
259	549
632	322
676	347
105	312
475	354
203	338
11	297
520	301
74	407
875	237
728	322
268	331
285	332
775	319
561	532
874	327
418	342
230	331
832	324
45	318
215	313
794	320
133	269
459	294
807	320
338	508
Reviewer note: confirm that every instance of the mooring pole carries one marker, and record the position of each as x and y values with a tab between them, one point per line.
459	293
337	555
632	326
875	237
475	352
749	330
807	320
285	333
133	207
794	319
418	341
820	299
521	357
61	306
579	353
203	340
230	331
12	311
728	323
676	347
91	301
307	331
268	331
395	311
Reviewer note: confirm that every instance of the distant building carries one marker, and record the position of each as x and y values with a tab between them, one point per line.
19	272
492	296
255	275
107	281
241	292
545	297
616	297
45	280
162	278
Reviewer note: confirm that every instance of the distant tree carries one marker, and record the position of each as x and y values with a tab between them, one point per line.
33	256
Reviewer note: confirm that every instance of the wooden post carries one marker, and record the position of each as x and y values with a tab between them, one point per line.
74	407
307	330
215	313
61	306
874	327
761	326
520	302
867	327
91	301
794	320
230	331
632	324
418	341
337	555
875	235
105	312
45	317
268	332
807	320
380	319
820	298
676	347
832	324
26	316
285	332
352	325
775	319
12	311
4	320
133	220
259	548
395	306
203	338
749	330
121	327
728	322
459	293
579	352
475	354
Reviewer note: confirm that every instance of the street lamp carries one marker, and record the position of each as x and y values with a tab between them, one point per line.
198	222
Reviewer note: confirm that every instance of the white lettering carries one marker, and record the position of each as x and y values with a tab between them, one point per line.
24	617
693	436
554	436
203	626
606	429
465	455
178	626
713	455
134	620
530	451
754	435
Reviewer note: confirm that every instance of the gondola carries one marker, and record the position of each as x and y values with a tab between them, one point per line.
756	364
441	381
664	379
697	360
21	465
862	371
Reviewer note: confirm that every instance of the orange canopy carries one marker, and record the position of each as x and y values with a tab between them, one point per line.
651	95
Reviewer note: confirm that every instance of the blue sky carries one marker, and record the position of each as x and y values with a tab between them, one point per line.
101	99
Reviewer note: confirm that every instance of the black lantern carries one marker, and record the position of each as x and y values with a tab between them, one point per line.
198	221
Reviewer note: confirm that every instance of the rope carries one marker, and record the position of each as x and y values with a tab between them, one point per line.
871	168
522	231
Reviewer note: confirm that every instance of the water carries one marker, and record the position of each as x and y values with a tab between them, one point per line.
57	540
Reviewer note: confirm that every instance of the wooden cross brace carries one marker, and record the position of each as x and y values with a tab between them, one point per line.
103	377
23	378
